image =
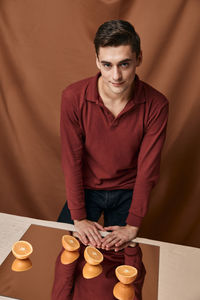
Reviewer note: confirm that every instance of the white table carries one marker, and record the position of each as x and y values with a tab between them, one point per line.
179	273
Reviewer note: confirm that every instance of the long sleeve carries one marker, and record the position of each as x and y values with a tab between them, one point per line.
148	160
72	155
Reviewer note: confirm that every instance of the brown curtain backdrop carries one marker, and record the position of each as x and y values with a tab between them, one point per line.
46	45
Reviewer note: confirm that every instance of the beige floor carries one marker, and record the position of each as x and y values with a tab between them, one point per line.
179	274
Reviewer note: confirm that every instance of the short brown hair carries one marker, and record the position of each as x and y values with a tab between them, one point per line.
116	33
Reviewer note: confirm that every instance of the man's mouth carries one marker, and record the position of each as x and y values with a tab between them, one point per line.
117	83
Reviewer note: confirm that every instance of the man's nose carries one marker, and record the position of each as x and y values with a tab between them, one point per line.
116	73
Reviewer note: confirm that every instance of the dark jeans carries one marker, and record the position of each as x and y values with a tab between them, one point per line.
114	204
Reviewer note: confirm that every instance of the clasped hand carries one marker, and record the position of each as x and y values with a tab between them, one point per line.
118	239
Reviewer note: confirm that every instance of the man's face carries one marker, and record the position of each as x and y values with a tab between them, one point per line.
117	66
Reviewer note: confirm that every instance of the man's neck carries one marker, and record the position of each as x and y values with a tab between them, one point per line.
114	102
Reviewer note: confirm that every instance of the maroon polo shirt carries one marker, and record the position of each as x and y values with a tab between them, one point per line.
103	152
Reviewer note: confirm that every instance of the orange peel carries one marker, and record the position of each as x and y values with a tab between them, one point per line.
70	243
124	291
22	249
126	274
20	265
93	256
68	257
91	271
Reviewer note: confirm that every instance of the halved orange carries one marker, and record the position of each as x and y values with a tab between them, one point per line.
20	265
68	257
93	256
22	249
91	271
70	243
126	274
124	291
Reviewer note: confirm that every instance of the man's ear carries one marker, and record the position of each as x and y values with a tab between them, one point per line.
139	59
97	62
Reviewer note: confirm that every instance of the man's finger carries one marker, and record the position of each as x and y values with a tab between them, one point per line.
112	243
122	246
84	237
109	240
111	227
99	226
97	237
76	234
97	230
92	237
120	242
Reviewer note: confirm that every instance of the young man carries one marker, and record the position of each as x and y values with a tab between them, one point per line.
112	131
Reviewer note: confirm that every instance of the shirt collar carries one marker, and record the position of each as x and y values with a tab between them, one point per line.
92	94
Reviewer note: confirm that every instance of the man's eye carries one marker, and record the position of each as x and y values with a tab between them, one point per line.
124	65
106	65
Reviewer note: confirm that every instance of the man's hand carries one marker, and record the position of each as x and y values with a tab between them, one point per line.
119	238
88	232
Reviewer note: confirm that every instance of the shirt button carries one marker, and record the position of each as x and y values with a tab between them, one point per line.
115	124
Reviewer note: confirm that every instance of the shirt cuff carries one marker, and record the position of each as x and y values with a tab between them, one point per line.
134	220
78	214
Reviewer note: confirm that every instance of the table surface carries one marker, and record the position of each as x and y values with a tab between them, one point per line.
46	244
179	271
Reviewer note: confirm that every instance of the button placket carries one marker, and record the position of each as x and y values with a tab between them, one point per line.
107	113
115	123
